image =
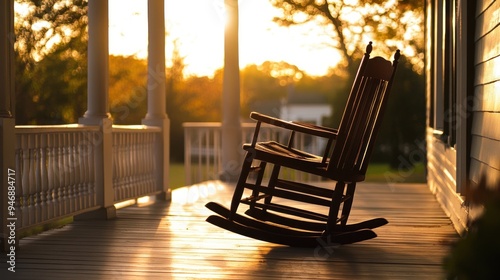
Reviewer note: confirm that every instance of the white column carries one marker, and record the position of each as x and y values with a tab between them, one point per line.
97	108
156	60
7	122
98	67
6	58
231	125
156	115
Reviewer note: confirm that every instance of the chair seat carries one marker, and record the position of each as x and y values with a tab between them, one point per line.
284	154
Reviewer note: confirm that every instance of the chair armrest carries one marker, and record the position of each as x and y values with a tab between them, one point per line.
332	130
295	126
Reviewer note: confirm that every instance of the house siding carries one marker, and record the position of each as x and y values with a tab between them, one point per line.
441	179
454	166
485	149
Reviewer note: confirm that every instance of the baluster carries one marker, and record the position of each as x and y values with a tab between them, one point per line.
75	171
150	153
50	176
124	162
19	181
88	166
84	170
187	154
80	171
121	165
153	166
133	152
32	180
144	175
129	156
198	153
205	154
128	162
43	176
139	187
60	167
115	158
68	171
65	173
35	163
91	168
217	152
147	154
58	179
72	171
23	197
210	151
60	175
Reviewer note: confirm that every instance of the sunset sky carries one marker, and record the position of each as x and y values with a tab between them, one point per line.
198	26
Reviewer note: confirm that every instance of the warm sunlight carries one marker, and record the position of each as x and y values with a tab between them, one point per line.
197	26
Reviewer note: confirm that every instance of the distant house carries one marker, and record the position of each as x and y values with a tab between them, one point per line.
299	106
463	99
305	107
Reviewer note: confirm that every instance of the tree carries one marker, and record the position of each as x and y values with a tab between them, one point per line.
127	89
266	83
51	64
352	23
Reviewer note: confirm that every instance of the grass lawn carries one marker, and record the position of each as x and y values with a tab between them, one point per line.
377	172
381	172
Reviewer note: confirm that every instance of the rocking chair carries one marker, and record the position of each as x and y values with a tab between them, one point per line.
278	212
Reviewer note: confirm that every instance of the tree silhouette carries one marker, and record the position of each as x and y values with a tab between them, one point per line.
352	23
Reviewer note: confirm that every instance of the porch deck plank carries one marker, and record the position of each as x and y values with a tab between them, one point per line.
171	240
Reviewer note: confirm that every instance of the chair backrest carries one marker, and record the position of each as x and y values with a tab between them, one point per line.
362	118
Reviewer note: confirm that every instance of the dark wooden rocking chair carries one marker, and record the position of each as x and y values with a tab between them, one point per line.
273	214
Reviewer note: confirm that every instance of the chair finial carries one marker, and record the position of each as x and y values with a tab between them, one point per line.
397	55
369	48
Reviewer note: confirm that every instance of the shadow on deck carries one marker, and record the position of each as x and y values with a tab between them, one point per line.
171	240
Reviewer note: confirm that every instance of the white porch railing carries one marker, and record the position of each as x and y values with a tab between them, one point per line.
54	172
135	161
203	146
56	169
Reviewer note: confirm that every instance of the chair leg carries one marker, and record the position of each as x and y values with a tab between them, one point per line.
272	184
334	207
240	185
346	208
258	182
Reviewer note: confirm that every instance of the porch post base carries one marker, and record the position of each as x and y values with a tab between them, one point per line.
164	196
103	213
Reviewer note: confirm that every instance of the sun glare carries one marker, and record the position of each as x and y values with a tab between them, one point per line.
197	27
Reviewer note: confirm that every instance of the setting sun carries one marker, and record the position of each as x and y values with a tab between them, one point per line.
197	27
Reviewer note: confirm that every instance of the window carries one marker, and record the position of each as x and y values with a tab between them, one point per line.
444	93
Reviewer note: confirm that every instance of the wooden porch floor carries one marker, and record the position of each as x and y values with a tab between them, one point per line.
171	240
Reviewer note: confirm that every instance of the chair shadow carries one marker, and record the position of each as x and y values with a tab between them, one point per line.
365	260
